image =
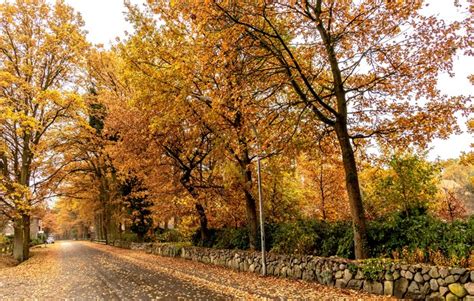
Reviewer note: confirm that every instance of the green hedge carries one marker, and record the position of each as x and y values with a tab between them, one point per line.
170	235
416	236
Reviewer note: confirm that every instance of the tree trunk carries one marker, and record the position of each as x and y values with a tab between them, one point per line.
199	207
353	190
202	222
252	221
21	239
250	205
18	241
26	236
104	228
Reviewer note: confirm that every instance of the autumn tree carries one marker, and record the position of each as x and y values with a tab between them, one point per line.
182	146
94	162
450	207
322	185
407	182
364	69
136	199
41	48
456	197
70	218
222	84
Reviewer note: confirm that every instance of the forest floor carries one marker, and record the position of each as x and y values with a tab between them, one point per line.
84	270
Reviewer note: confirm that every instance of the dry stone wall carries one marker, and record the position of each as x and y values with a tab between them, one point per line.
373	276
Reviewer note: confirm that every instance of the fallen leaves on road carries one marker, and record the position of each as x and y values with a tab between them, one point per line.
88	271
75	270
239	284
36	273
6	261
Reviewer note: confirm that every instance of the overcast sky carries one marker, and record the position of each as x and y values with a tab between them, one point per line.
105	21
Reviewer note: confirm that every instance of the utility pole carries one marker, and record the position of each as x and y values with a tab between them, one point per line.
260	204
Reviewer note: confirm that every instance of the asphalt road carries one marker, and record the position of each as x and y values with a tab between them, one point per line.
80	271
74	270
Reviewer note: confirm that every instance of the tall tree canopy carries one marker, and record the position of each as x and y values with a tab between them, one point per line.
361	68
41	49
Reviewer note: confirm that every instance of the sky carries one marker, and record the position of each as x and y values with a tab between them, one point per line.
105	21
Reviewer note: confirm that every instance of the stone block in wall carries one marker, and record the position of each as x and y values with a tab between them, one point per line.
348	275
258	269
469	288
443	290
253	268
400	287
297	272
340	283
443	272
373	287
434	272
413	291
425	269
326	277
396	275
449	279
418	277
308	275
464	278
425	288
451	297
388	288
457	289
355	284
434	285
388	275
458	271
435	297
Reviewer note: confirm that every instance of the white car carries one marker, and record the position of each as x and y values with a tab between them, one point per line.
50	240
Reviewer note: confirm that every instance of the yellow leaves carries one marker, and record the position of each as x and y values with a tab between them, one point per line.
48	96
17	196
42	47
7	79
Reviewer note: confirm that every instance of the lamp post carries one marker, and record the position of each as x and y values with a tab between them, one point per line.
260	204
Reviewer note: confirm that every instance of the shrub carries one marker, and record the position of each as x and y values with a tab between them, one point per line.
232	238
413	236
170	235
373	268
421	237
224	238
295	238
36	241
131	237
196	238
313	237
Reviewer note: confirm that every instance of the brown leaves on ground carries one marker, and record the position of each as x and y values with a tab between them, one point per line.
6	261
89	271
238	284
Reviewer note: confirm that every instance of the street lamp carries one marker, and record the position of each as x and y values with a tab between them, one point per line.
260	204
